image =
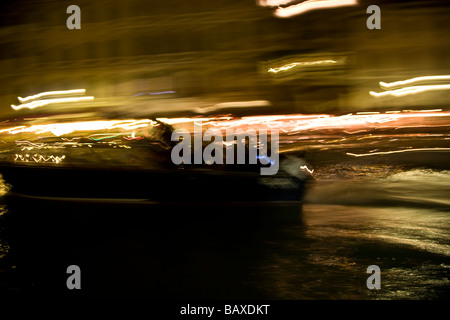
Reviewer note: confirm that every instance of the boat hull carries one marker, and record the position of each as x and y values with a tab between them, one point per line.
192	194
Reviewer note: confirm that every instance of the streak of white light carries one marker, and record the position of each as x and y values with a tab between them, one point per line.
41	103
51	93
396	151
312	5
306	63
413	80
410	90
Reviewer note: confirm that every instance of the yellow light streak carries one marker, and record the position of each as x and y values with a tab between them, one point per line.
41	103
306	63
273	3
397	151
413	80
410	90
59	129
432	110
182	120
307	169
38	158
288	124
51	93
312	5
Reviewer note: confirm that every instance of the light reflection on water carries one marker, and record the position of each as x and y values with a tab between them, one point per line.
351	224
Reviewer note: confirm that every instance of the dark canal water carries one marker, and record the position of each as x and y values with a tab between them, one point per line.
354	216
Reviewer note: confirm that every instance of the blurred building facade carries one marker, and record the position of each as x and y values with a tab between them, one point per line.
222	50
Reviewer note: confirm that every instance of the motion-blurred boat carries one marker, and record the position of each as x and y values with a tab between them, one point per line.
128	162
